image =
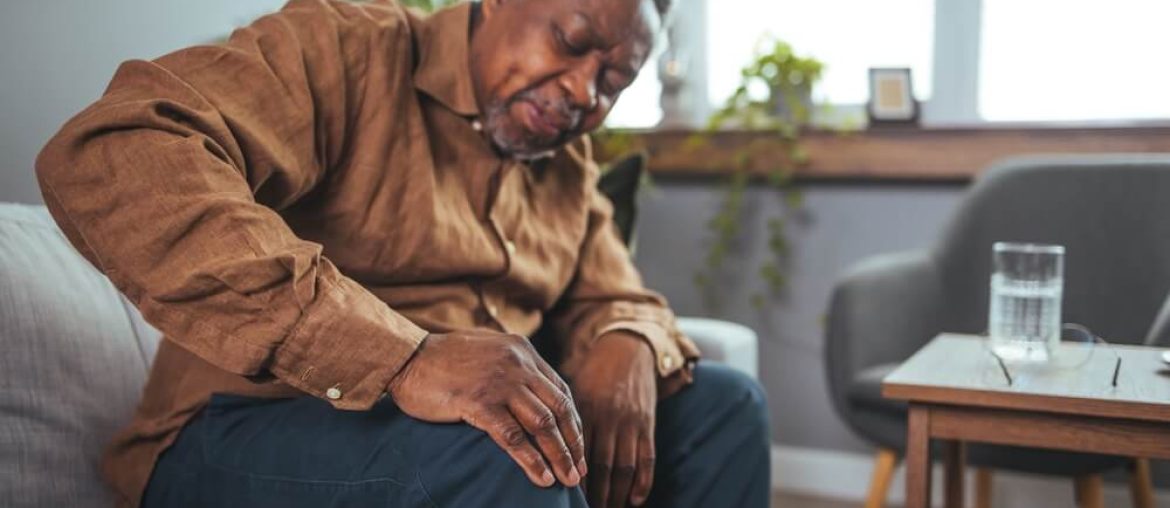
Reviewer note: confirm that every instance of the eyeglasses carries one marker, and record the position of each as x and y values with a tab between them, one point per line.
1076	334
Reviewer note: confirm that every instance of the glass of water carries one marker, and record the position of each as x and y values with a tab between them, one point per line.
1027	285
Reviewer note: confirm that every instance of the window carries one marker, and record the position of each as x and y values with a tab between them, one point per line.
993	60
849	36
638	107
1045	60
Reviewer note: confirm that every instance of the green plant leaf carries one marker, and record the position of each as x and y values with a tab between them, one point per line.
789	79
794	199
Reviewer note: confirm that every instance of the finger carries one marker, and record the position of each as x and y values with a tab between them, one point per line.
601	464
560	384
552	376
568	420
644	476
541	423
503	428
624	464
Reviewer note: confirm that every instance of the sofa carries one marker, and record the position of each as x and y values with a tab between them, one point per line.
76	355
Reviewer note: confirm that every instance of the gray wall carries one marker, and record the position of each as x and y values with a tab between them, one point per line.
842	224
59	54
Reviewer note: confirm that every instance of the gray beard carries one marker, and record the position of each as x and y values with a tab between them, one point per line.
492	120
511	148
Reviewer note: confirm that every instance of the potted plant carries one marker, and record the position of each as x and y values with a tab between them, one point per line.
774	94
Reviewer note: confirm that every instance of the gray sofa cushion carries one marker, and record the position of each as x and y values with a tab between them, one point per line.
72	367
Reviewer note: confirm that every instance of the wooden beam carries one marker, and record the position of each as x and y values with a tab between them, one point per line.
1090	491
983	487
954	466
899	154
1059	432
918	457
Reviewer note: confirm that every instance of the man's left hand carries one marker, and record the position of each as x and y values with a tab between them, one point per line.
616	392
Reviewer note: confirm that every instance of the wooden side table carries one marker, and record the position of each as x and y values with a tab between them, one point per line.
958	393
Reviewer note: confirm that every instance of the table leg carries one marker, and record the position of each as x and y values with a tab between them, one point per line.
956	459
918	458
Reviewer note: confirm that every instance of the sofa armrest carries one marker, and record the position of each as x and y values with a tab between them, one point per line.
732	344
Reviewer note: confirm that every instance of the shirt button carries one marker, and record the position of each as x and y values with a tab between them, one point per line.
667	362
333	393
510	247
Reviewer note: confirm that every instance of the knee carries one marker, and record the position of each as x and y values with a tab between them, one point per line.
744	397
470	469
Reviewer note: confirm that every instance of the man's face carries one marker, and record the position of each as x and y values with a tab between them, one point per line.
547	71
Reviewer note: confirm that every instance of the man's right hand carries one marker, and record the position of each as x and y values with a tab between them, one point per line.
499	384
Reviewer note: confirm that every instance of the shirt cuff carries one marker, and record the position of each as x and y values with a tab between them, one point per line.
346	347
668	353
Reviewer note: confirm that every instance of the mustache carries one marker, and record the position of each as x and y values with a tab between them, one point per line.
561	111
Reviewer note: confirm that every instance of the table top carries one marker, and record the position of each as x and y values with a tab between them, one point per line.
960	370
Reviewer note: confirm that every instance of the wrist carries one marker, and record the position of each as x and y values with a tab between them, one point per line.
625	342
407	367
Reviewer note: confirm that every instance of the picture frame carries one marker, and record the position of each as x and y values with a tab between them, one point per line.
891	97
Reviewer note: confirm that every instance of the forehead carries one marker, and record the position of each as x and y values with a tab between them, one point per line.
614	21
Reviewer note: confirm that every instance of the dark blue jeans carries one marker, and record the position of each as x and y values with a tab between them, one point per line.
712	448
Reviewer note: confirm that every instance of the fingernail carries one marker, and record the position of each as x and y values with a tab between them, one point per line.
573	477
582	468
637	501
547	478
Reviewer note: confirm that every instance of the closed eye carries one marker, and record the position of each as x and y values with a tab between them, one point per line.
614	82
563	42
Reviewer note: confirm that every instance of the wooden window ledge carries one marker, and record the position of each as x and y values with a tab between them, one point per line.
892	153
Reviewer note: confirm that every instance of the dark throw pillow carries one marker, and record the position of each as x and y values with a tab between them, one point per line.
620	184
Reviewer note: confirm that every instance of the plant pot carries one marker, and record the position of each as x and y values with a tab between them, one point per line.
794	104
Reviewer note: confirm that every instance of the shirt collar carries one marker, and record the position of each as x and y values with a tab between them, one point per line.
444	70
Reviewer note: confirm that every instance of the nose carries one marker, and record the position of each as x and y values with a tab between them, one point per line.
580	84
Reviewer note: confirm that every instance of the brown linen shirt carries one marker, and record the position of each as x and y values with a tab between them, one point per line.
297	208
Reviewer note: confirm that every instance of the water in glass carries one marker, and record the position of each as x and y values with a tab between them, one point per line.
1025	309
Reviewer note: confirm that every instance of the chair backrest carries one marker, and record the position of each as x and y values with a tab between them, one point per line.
75	358
1160	331
1112	213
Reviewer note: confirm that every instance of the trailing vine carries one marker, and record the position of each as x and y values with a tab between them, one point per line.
774	95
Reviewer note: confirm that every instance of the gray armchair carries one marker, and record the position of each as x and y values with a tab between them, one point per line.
1113	215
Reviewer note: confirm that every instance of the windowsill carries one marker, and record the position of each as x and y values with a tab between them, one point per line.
937	153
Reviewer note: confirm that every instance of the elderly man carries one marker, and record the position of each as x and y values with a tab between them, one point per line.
346	220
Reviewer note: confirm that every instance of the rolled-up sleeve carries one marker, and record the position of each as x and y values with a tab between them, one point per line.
171	184
607	295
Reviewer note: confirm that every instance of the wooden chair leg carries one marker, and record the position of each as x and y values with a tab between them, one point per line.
1090	491
883	474
983	487
1141	488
